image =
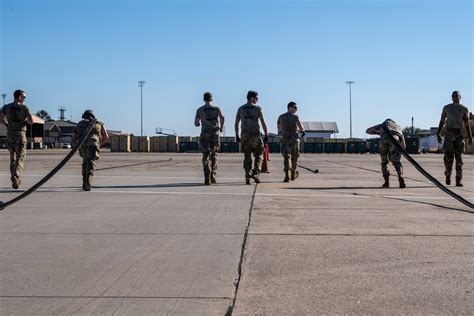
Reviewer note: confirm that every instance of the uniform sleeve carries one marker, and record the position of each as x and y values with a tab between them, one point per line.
27	111
260	112
237	116
4	110
197	114
443	113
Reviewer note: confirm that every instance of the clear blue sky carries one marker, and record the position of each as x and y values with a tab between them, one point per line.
405	56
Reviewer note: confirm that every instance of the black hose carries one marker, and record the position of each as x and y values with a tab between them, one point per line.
423	171
52	172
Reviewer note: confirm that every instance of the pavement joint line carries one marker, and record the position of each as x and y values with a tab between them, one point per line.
230	309
121	297
359	235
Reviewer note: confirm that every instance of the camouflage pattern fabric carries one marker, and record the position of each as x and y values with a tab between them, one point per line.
89	153
90	150
388	152
290	150
252	144
209	147
16	144
453	149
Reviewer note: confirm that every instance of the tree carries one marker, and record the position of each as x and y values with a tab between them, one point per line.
409	131
44	115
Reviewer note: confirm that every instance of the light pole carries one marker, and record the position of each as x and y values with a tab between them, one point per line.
141	83
4	95
350	83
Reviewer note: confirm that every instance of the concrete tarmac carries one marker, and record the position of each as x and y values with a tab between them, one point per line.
150	239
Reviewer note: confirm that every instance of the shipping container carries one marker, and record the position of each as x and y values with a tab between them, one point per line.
374	145
413	145
188	147
332	148
230	147
356	147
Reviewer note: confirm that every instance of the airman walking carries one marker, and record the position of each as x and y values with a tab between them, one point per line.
288	126
454	118
16	115
249	115
211	120
90	149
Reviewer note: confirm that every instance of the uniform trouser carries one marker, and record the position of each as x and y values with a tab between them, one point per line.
388	152
16	144
89	154
252	144
290	150
209	148
453	149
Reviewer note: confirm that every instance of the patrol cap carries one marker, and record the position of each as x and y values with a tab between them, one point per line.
252	94
207	96
88	114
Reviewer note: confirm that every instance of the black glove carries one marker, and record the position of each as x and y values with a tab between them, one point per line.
265	139
237	139
303	133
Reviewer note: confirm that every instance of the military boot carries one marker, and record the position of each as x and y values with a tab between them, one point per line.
15	182
206	180
287	178
448	180
294	174
459	183
247	179
386	183
402	183
256	178
87	183
213	179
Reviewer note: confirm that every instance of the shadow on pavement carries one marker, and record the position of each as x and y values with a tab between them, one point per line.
353	188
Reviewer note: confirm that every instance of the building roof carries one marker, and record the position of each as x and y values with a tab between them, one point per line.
63	123
320	127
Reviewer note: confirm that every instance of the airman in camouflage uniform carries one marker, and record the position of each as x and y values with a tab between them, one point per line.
388	151
211	119
455	119
250	114
17	115
288	126
90	149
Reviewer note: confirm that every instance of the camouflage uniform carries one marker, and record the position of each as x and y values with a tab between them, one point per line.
90	150
454	135
209	139
388	151
16	115
289	144
252	142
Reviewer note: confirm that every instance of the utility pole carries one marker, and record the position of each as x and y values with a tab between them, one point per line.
350	83
412	128
4	95
141	83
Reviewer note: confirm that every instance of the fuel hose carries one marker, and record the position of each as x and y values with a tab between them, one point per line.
63	162
423	171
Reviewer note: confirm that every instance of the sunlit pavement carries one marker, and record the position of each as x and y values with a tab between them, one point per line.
151	239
